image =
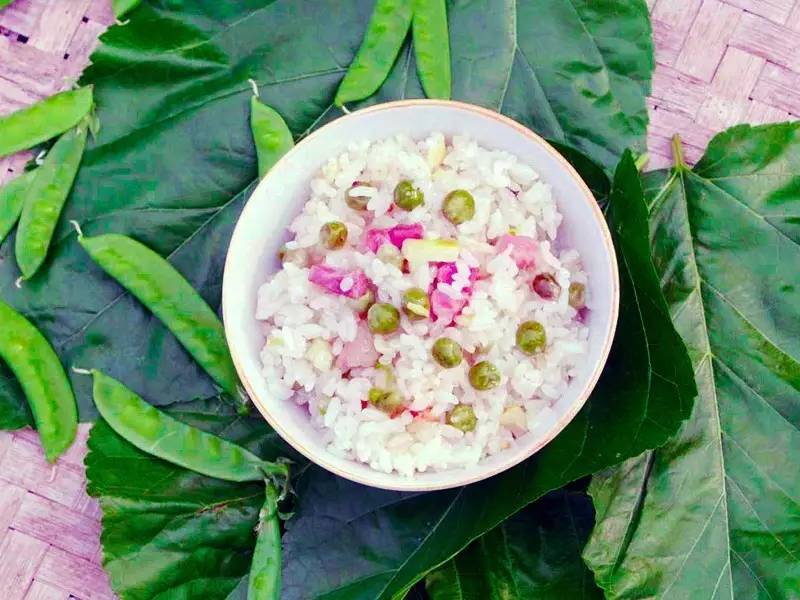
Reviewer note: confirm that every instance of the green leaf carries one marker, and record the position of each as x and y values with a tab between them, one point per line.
175	152
534	554
347	541
169	531
715	513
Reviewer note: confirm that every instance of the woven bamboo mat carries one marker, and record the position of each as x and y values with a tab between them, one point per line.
720	62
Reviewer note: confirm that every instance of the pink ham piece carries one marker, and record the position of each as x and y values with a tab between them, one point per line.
360	352
353	284
523	249
394	235
445	308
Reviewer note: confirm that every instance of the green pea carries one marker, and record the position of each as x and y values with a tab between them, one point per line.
164	437
45	197
447	352
355	200
270	134
484	375
462	416
264	582
432	47
295	256
333	235
383	318
163	290
407	197
44	120
577	295
531	337
458	207
388	401
416	304
386	32
12	195
41	376
391	255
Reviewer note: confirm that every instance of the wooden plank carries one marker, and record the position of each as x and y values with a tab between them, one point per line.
728	95
65	570
21	556
707	40
44	591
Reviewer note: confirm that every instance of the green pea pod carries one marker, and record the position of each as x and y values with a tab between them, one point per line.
386	32
265	570
44	120
272	137
45	198
163	290
121	7
156	433
46	386
432	47
12	196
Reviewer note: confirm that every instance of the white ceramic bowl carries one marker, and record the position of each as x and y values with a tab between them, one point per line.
261	230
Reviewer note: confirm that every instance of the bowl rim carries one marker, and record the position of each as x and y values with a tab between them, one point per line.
411	484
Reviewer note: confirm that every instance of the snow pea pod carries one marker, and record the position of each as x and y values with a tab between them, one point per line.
164	437
271	134
121	7
12	195
44	120
163	290
432	47
265	571
45	198
387	29
38	370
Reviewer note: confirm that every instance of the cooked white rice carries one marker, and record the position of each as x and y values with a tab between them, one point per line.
307	328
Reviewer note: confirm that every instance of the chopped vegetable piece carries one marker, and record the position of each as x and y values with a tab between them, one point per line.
360	352
416	304
333	235
458	206
390	255
389	401
353	284
531	337
462	417
577	295
383	318
546	286
484	376
447	352
523	249
407	197
419	252
319	354
296	256
514	418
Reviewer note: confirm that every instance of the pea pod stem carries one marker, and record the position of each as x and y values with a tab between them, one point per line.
44	120
41	376
432	47
156	433
44	199
265	571
167	294
387	30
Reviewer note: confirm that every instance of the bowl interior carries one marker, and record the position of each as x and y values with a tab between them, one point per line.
261	230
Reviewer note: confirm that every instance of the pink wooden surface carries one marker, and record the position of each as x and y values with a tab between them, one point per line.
719	62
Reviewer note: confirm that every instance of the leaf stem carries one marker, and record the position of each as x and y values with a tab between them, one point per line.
677	152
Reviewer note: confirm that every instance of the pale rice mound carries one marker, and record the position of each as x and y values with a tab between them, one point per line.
320	353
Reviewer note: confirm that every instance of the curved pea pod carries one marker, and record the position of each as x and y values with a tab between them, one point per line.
270	133
387	29
265	571
12	196
38	370
122	7
44	120
432	47
164	437
163	290
45	198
